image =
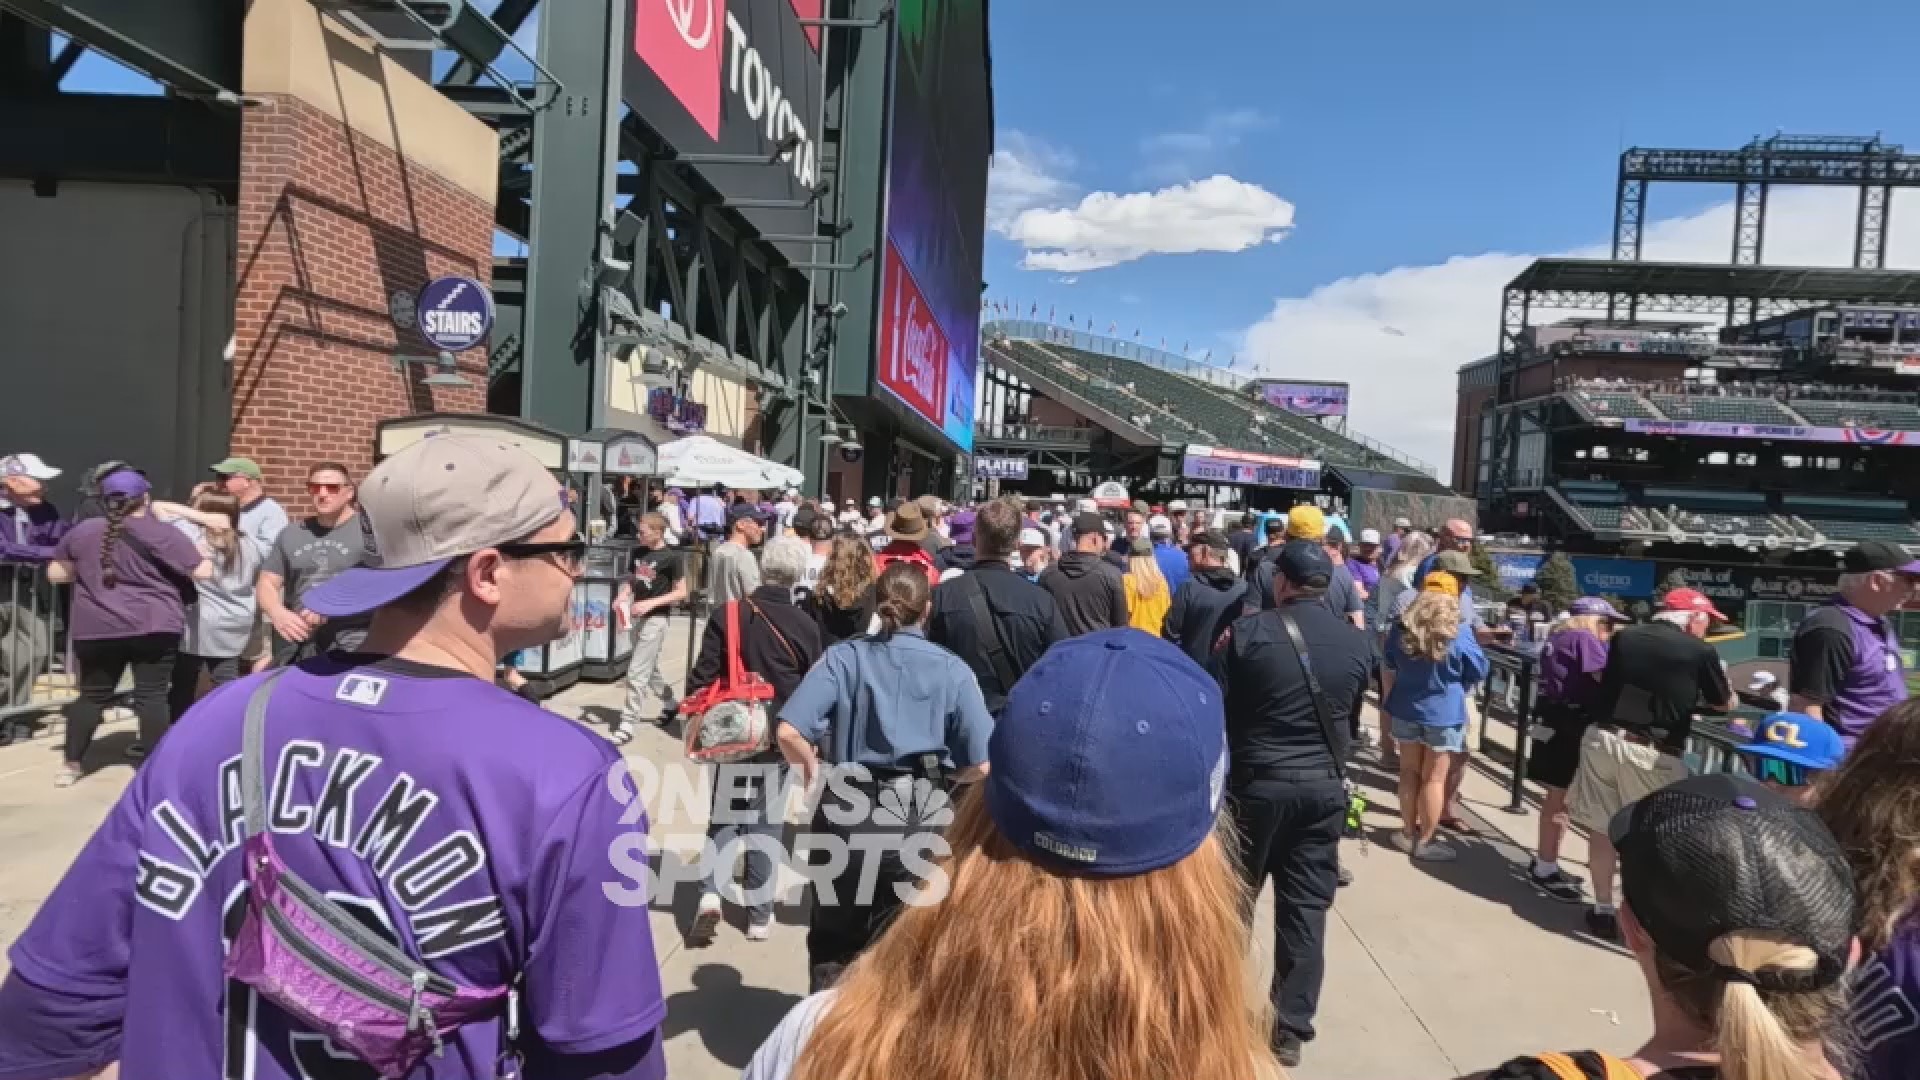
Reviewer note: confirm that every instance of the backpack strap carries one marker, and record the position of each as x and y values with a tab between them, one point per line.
989	633
1313	688
736	671
1564	1067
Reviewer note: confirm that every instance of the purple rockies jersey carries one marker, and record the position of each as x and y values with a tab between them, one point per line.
473	828
1885	998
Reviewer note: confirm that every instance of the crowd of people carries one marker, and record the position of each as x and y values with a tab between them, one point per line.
1141	716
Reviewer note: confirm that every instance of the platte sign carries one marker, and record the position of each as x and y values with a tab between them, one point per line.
455	313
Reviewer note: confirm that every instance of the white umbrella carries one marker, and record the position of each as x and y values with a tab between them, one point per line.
700	461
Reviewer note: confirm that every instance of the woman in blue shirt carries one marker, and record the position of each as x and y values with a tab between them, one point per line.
1430	666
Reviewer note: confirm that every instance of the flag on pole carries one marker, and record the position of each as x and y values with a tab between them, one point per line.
1207	359
1050	310
1110	328
1034	310
1136	333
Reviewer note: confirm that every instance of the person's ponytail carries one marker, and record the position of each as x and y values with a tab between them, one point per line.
116	509
1766	1037
901	597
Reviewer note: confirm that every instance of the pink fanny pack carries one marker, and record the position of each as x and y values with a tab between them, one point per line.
306	954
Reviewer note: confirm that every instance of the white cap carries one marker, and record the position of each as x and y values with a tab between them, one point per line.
1159	523
873	500
1402	523
1177	506
28	465
1086	506
826	504
1032	538
1369	536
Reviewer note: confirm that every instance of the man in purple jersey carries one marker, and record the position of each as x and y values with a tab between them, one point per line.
472	828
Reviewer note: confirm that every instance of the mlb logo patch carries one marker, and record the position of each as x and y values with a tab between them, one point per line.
364	690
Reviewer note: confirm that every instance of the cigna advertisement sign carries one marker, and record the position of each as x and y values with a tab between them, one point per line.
734	77
939	139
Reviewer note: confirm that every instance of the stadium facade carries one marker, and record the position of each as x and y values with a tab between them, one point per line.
1734	426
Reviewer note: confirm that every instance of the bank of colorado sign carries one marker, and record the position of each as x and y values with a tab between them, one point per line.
734	77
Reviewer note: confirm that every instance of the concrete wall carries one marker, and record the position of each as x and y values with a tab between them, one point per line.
115	309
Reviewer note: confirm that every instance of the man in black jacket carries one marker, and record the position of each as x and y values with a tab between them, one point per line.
779	641
1207	602
1085	588
1024	618
1287	738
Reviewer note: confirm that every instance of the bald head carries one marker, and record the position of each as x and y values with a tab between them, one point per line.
1457	534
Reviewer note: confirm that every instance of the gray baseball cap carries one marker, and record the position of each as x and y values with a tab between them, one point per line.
439	499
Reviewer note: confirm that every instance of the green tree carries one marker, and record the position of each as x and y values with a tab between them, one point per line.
1487	586
1559	585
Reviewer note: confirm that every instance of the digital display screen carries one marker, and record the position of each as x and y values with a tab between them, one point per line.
939	140
1307	399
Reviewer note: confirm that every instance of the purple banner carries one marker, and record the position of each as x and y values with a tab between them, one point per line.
1307	399
1780	432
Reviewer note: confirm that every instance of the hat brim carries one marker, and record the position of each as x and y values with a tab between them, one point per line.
1787	754
48	472
364	588
1912	568
899	534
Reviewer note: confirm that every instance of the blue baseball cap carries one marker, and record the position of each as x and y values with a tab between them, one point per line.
1797	738
1110	757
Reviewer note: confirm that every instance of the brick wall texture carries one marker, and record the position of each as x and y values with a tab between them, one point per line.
331	224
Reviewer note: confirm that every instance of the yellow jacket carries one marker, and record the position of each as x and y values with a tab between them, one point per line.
1147	613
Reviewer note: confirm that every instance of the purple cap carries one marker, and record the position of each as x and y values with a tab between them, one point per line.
125	483
960	527
1593	605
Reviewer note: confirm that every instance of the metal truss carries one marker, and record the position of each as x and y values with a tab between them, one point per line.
1863	162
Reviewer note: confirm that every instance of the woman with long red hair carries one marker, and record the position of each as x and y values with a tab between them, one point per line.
1088	923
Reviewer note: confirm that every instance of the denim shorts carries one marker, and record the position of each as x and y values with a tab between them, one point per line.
1447	740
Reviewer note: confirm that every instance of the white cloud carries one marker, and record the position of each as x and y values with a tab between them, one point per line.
1447	314
1107	229
1027	172
1173	156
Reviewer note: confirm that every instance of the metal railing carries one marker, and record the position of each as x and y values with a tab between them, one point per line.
1511	696
1036	433
36	661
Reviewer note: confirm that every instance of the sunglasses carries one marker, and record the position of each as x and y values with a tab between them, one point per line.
1784	773
324	489
573	553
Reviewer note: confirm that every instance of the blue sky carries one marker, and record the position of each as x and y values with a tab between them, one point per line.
1413	143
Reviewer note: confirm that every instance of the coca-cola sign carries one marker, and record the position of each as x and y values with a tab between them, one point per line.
913	348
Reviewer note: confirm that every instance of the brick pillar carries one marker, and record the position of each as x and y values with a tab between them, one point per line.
332	223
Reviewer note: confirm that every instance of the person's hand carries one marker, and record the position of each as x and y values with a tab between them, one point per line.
311	618
290	627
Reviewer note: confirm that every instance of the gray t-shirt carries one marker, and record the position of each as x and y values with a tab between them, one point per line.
223	619
308	553
1343	594
264	521
732	573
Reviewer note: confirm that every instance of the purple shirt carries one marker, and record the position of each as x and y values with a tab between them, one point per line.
1571	665
29	533
1885	1001
151	558
1365	573
476	829
1850	663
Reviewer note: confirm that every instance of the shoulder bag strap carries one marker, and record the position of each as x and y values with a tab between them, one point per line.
736	671
792	653
253	754
989	632
1562	1066
1313	687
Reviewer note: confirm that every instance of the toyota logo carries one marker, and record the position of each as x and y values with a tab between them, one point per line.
683	13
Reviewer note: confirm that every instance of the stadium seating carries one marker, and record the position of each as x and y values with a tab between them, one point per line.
1624	404
1724	410
1842	531
1887	416
1182	409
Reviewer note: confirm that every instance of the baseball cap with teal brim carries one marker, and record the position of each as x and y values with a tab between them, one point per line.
1798	739
433	502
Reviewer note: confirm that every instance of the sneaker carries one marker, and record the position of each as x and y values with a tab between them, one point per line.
68	776
1344	878
1403	841
760	929
669	712
1435	851
706	921
1534	867
1604	925
1286	1049
1560	885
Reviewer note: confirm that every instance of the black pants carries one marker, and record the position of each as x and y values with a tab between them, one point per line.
101	665
186	678
841	924
1290	823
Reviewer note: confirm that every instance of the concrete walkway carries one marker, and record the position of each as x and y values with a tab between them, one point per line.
1433	971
